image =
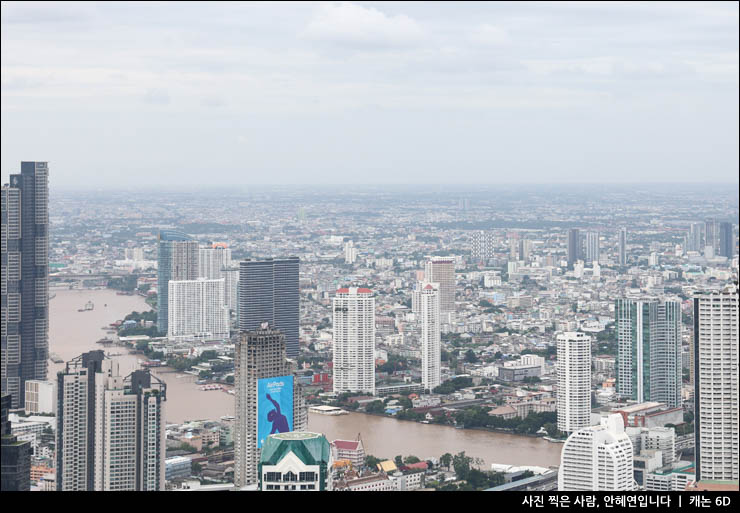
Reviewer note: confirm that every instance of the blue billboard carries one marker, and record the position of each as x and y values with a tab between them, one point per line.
274	407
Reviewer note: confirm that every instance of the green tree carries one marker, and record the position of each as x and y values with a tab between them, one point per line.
461	464
470	356
371	461
446	460
408	460
398	460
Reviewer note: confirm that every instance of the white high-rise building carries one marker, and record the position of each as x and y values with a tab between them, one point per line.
716	394
110	428
431	355
350	253
574	381
622	258
259	354
441	270
212	261
197	308
597	458
592	247
39	397
354	340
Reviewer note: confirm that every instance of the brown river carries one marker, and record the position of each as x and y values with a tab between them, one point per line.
72	333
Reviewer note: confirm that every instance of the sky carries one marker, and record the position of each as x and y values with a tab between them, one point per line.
238	94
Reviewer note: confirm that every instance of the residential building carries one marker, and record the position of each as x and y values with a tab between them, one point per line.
441	270
716	395
574	381
177	259
726	240
296	461
24	282
574	247
592	247
482	246
354	340
649	350
197	308
39	396
622	257
597	458
431	350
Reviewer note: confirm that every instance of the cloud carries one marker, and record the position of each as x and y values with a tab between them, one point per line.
156	97
490	35
348	23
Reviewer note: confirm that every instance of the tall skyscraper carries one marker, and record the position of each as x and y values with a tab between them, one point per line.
622	246
592	247
716	390
431	355
212	261
574	381
695	239
263	405
268	291
726	240
649	350
15	464
110	428
354	340
177	259
441	270
197	308
24	303
711	235
597	459
574	247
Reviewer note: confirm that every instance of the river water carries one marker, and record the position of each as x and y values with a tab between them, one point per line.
73	333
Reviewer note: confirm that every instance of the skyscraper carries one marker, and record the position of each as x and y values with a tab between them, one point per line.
441	270
177	259
574	247
649	350
726	240
695	240
574	381
716	389
711	235
197	308
431	356
354	340
24	334
110	429
260	355
15	474
592	247
268	291
597	458
622	246
212	261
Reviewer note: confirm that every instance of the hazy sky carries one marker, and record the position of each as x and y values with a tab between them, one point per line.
134	94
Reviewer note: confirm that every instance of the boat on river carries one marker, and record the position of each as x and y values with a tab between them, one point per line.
88	307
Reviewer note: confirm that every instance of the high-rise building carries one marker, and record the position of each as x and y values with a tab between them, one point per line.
15	464
177	259
39	397
24	307
350	252
597	458
623	246
716	390
197	308
354	340
726	240
711	235
695	239
110	428
268	291
212	261
441	270
574	381
297	461
431	355
649	350
268	399
482	246
574	247
592	247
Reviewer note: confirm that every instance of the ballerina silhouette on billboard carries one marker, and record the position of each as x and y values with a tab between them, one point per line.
279	421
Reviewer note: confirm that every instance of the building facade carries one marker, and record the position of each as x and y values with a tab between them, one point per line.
15	467
268	291
441	270
649	350
622	256
574	381
24	302
197	308
431	346
574	247
592	248
716	394
297	461
354	340
177	259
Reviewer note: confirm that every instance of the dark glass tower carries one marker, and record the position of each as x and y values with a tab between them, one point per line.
268	291
574	247
177	259
726	240
16	456
25	279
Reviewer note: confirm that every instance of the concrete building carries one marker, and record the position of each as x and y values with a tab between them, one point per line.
716	396
441	270
354	340
726	240
212	261
622	249
297	461
259	354
177	259
39	397
197	308
649	350
15	464
350	253
592	249
574	247
574	381
268	291
351	450
24	280
431	350
177	467
482	246
110	429
597	458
